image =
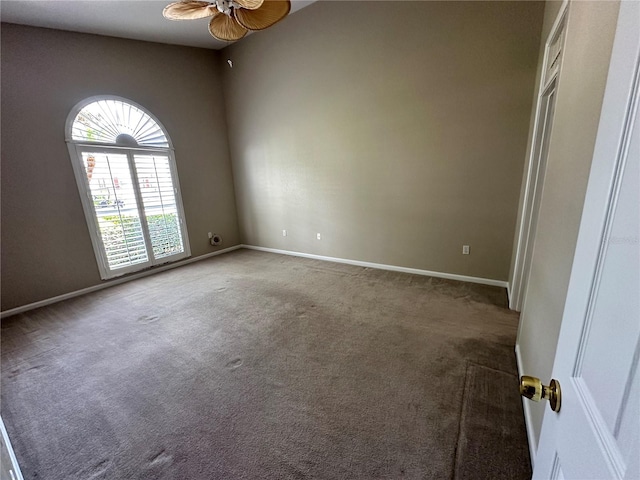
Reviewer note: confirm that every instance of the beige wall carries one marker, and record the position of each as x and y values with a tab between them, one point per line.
590	32
46	249
398	134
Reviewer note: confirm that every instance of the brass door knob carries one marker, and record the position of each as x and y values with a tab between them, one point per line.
532	388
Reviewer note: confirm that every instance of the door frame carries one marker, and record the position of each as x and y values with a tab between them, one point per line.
549	75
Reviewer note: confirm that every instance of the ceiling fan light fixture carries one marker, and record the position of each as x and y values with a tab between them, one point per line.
238	16
225	6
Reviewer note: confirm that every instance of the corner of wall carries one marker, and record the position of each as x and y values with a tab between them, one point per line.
220	65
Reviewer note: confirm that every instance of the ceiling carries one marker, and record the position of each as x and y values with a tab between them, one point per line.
135	19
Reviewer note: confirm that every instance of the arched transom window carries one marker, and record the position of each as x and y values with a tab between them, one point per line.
126	174
117	122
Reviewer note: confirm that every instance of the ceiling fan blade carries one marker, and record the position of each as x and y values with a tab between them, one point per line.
189	10
271	12
225	28
250	4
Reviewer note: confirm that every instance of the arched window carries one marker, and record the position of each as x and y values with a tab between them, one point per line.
125	169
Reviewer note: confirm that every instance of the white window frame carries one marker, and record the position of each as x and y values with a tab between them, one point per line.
76	148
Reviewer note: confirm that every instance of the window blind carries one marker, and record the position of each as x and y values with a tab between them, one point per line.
115	206
158	196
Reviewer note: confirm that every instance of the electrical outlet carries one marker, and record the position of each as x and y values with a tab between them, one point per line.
318	236
465	249
284	233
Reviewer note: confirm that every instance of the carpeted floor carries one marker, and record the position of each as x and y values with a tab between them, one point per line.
260	366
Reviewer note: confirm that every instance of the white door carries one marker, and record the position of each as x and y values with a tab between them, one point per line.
596	433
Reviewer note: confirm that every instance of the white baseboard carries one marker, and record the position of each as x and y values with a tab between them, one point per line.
111	283
381	266
13	468
526	406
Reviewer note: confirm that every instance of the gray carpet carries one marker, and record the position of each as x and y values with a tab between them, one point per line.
260	366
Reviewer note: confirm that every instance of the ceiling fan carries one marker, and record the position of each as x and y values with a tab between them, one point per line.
231	19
